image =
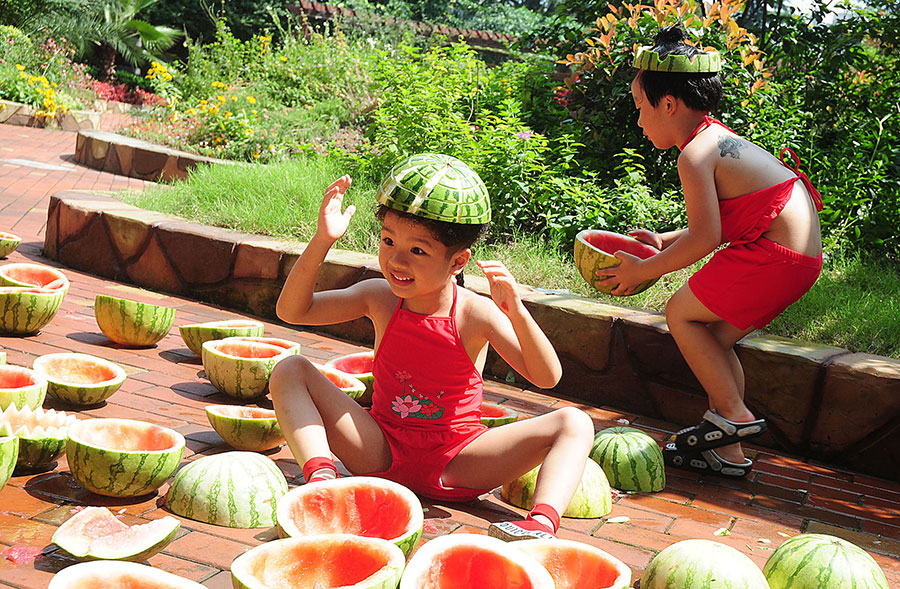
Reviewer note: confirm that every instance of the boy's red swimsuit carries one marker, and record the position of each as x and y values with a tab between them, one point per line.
754	279
427	400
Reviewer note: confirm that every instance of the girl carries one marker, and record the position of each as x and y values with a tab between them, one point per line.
431	338
734	192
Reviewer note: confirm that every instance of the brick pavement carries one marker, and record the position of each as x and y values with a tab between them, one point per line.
783	497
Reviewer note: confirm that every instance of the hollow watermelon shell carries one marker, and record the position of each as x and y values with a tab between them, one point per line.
239	367
94	533
122	457
116	573
246	428
495	415
358	365
595	249
33	275
350	385
365	506
473	560
79	379
25	310
702	563
234	489
9	453
8	243
42	434
810	561
575	564
197	334
21	387
132	323
593	497
631	460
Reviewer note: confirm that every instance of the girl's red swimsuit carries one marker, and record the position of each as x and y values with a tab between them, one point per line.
754	279
427	400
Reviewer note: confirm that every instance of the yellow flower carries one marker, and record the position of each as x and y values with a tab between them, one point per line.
20	67
234	98
283	58
251	100
253	111
227	114
222	98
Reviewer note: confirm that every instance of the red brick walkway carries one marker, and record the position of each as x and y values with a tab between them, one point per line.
784	496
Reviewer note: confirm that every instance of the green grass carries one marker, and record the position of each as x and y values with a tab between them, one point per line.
853	305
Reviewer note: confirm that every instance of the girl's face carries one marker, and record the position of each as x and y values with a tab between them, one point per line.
651	119
413	261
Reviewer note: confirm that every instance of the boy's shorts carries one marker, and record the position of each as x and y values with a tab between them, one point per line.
750	284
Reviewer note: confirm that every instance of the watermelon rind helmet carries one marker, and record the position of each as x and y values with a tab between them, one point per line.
702	63
436	186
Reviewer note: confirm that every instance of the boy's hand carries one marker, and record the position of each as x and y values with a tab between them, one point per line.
332	222
627	274
648	237
504	292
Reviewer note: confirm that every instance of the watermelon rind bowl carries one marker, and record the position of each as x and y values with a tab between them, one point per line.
447	561
42	435
78	379
592	499
495	414
9	454
358	365
631	459
94	533
233	489
589	257
331	560
132	323
241	367
683	563
22	387
350	385
118	573
33	275
576	564
809	561
253	429
25	310
122	457
196	334
365	506
8	243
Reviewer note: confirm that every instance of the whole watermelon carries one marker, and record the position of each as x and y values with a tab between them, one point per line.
702	564
630	458
813	561
592	498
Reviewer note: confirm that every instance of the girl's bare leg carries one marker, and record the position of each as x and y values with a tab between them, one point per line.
317	418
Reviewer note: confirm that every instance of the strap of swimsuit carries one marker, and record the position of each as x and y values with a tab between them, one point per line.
706	122
817	198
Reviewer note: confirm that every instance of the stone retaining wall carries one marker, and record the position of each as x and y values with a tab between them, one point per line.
821	402
23	115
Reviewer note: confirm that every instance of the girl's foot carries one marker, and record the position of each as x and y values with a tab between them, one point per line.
319	469
523	530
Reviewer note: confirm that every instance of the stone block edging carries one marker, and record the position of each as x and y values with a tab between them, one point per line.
821	402
24	115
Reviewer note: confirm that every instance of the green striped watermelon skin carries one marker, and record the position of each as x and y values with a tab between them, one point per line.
40	453
8	243
252	435
25	310
233	489
630	458
811	561
79	394
702	564
240	378
42	434
593	497
131	323
9	454
196	335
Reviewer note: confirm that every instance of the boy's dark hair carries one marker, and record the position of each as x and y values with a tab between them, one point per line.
699	91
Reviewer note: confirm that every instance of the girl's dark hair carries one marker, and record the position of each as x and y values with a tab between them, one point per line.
456	236
699	91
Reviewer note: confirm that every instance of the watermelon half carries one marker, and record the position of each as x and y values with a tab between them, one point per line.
196	334
358	365
810	561
25	309
21	387
100	574
9	453
473	560
631	460
593	497
292	348
350	385
95	533
333	560
132	323
246	428
234	489
702	563
595	250
8	243
79	379
241	367
42	434
122	457
33	275
575	564
495	415
365	506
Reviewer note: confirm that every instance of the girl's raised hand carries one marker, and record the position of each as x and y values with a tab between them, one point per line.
332	221
504	291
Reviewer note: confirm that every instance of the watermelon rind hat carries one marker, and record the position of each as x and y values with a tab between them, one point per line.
648	59
436	186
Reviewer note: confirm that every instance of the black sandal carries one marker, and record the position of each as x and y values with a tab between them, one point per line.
706	461
715	431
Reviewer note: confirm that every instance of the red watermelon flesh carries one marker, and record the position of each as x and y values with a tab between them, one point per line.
491	410
339	381
305	566
115	436
14	377
355	364
4	235
463	567
271	341
610	243
119	581
236	412
371	512
247	349
78	371
33	274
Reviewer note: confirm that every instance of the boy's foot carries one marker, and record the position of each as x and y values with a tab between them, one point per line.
706	461
715	431
521	530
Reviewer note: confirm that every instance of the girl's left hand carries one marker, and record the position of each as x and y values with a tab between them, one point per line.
504	291
627	275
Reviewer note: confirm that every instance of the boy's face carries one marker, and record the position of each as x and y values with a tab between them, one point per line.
651	118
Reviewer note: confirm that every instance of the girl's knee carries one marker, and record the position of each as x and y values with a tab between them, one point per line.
288	373
576	423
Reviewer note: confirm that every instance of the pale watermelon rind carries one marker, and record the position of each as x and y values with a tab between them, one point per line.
112	472
42	435
681	564
9	454
592	499
631	459
542	550
165	530
367	378
25	310
253	434
386	578
407	542
79	394
822	560
132	323
116	573
238	377
196	334
589	259
31	395
509	415
8	243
